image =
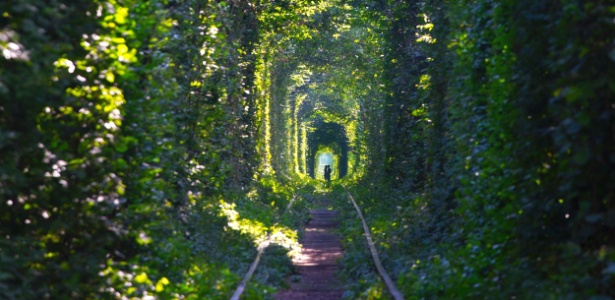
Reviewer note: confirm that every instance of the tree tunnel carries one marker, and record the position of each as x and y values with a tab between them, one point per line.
327	144
149	149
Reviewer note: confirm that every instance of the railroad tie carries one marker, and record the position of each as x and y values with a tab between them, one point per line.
317	264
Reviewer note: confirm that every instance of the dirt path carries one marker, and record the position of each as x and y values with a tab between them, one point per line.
317	264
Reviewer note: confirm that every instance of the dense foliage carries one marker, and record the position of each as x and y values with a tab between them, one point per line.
499	149
148	148
128	149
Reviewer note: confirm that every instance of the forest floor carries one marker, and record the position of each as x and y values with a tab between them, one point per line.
317	265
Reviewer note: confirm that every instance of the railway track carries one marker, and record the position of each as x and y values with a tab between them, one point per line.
317	264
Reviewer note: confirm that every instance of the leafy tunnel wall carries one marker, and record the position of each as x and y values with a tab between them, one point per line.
124	124
332	135
486	134
307	114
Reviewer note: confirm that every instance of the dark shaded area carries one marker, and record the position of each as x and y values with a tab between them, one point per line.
329	134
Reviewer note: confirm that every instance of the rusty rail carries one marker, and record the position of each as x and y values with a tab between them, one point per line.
372	248
261	249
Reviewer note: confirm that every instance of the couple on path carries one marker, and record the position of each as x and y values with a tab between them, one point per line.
328	173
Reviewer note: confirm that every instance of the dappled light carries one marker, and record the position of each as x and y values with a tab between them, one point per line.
307	149
261	235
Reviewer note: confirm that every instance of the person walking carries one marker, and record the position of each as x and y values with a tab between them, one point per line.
327	173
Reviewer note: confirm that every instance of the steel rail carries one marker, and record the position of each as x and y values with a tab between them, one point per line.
261	249
372	248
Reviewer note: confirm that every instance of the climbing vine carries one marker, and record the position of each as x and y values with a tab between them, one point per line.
129	142
148	147
484	140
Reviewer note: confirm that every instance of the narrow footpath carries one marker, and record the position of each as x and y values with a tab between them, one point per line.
317	265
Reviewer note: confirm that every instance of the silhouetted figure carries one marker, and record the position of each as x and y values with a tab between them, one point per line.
327	173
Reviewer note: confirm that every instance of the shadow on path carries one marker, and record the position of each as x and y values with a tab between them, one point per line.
317	264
